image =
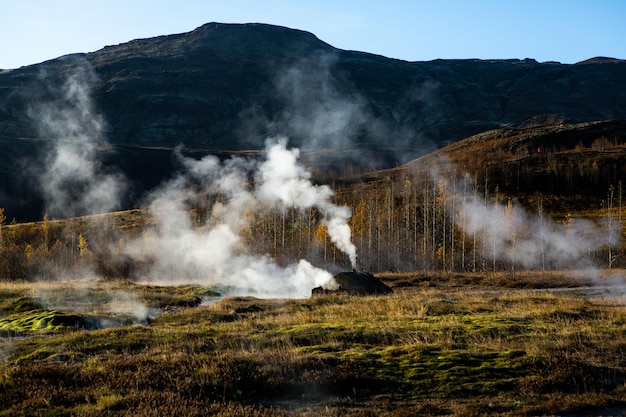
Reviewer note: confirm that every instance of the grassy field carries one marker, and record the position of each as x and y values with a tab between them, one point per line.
462	345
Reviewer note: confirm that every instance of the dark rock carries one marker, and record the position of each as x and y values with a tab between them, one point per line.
252	308
354	283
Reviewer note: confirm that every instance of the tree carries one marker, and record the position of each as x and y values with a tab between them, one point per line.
425	222
407	209
45	226
440	200
83	246
509	216
609	215
358	221
452	228
494	232
542	233
320	236
2	219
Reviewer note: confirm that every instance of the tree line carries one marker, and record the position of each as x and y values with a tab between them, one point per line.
405	221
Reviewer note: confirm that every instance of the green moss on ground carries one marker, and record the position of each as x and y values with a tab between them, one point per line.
41	320
415	353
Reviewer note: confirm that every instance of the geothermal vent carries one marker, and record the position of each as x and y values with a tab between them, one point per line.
354	283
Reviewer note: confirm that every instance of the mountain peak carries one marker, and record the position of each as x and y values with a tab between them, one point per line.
224	88
601	60
247	41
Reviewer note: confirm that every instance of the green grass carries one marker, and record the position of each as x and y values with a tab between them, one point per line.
421	351
40	320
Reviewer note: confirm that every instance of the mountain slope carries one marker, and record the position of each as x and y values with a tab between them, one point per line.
572	165
225	88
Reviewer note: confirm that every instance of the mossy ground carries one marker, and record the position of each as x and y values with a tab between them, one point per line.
420	351
40	320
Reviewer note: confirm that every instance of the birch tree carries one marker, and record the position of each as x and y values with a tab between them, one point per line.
2	220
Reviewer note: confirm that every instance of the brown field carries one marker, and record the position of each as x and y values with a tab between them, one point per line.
543	343
472	333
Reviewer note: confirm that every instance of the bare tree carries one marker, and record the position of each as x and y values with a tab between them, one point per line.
2	219
542	232
610	226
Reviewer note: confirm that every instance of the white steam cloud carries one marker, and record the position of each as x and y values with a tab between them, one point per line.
322	110
215	252
318	107
510	233
72	178
283	181
75	182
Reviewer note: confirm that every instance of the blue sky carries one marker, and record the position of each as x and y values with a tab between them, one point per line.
568	31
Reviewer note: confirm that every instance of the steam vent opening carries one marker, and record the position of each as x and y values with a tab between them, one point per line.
355	283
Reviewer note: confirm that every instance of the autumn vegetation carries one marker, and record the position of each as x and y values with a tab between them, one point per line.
413	217
466	332
433	348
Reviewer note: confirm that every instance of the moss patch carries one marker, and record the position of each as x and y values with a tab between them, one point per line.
41	320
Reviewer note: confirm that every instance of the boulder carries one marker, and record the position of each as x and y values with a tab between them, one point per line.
354	283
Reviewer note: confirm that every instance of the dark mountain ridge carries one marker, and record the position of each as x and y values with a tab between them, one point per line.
227	87
569	167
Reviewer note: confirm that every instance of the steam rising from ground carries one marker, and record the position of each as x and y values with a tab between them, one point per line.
510	233
89	296
322	109
514	235
215	252
318	107
285	182
73	180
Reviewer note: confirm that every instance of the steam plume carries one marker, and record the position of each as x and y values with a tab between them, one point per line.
321	108
514	235
73	179
510	233
215	252
74	182
284	181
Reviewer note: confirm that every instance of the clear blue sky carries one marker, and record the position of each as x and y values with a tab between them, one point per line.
568	31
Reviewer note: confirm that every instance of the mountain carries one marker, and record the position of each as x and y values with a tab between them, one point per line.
568	167
225	88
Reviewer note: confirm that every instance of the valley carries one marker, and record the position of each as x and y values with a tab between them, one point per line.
168	206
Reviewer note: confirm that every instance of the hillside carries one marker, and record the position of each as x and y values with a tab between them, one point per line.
521	189
576	163
227	87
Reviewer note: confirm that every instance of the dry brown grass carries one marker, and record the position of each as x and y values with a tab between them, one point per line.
480	350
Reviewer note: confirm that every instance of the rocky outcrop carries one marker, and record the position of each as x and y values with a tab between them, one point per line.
354	283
